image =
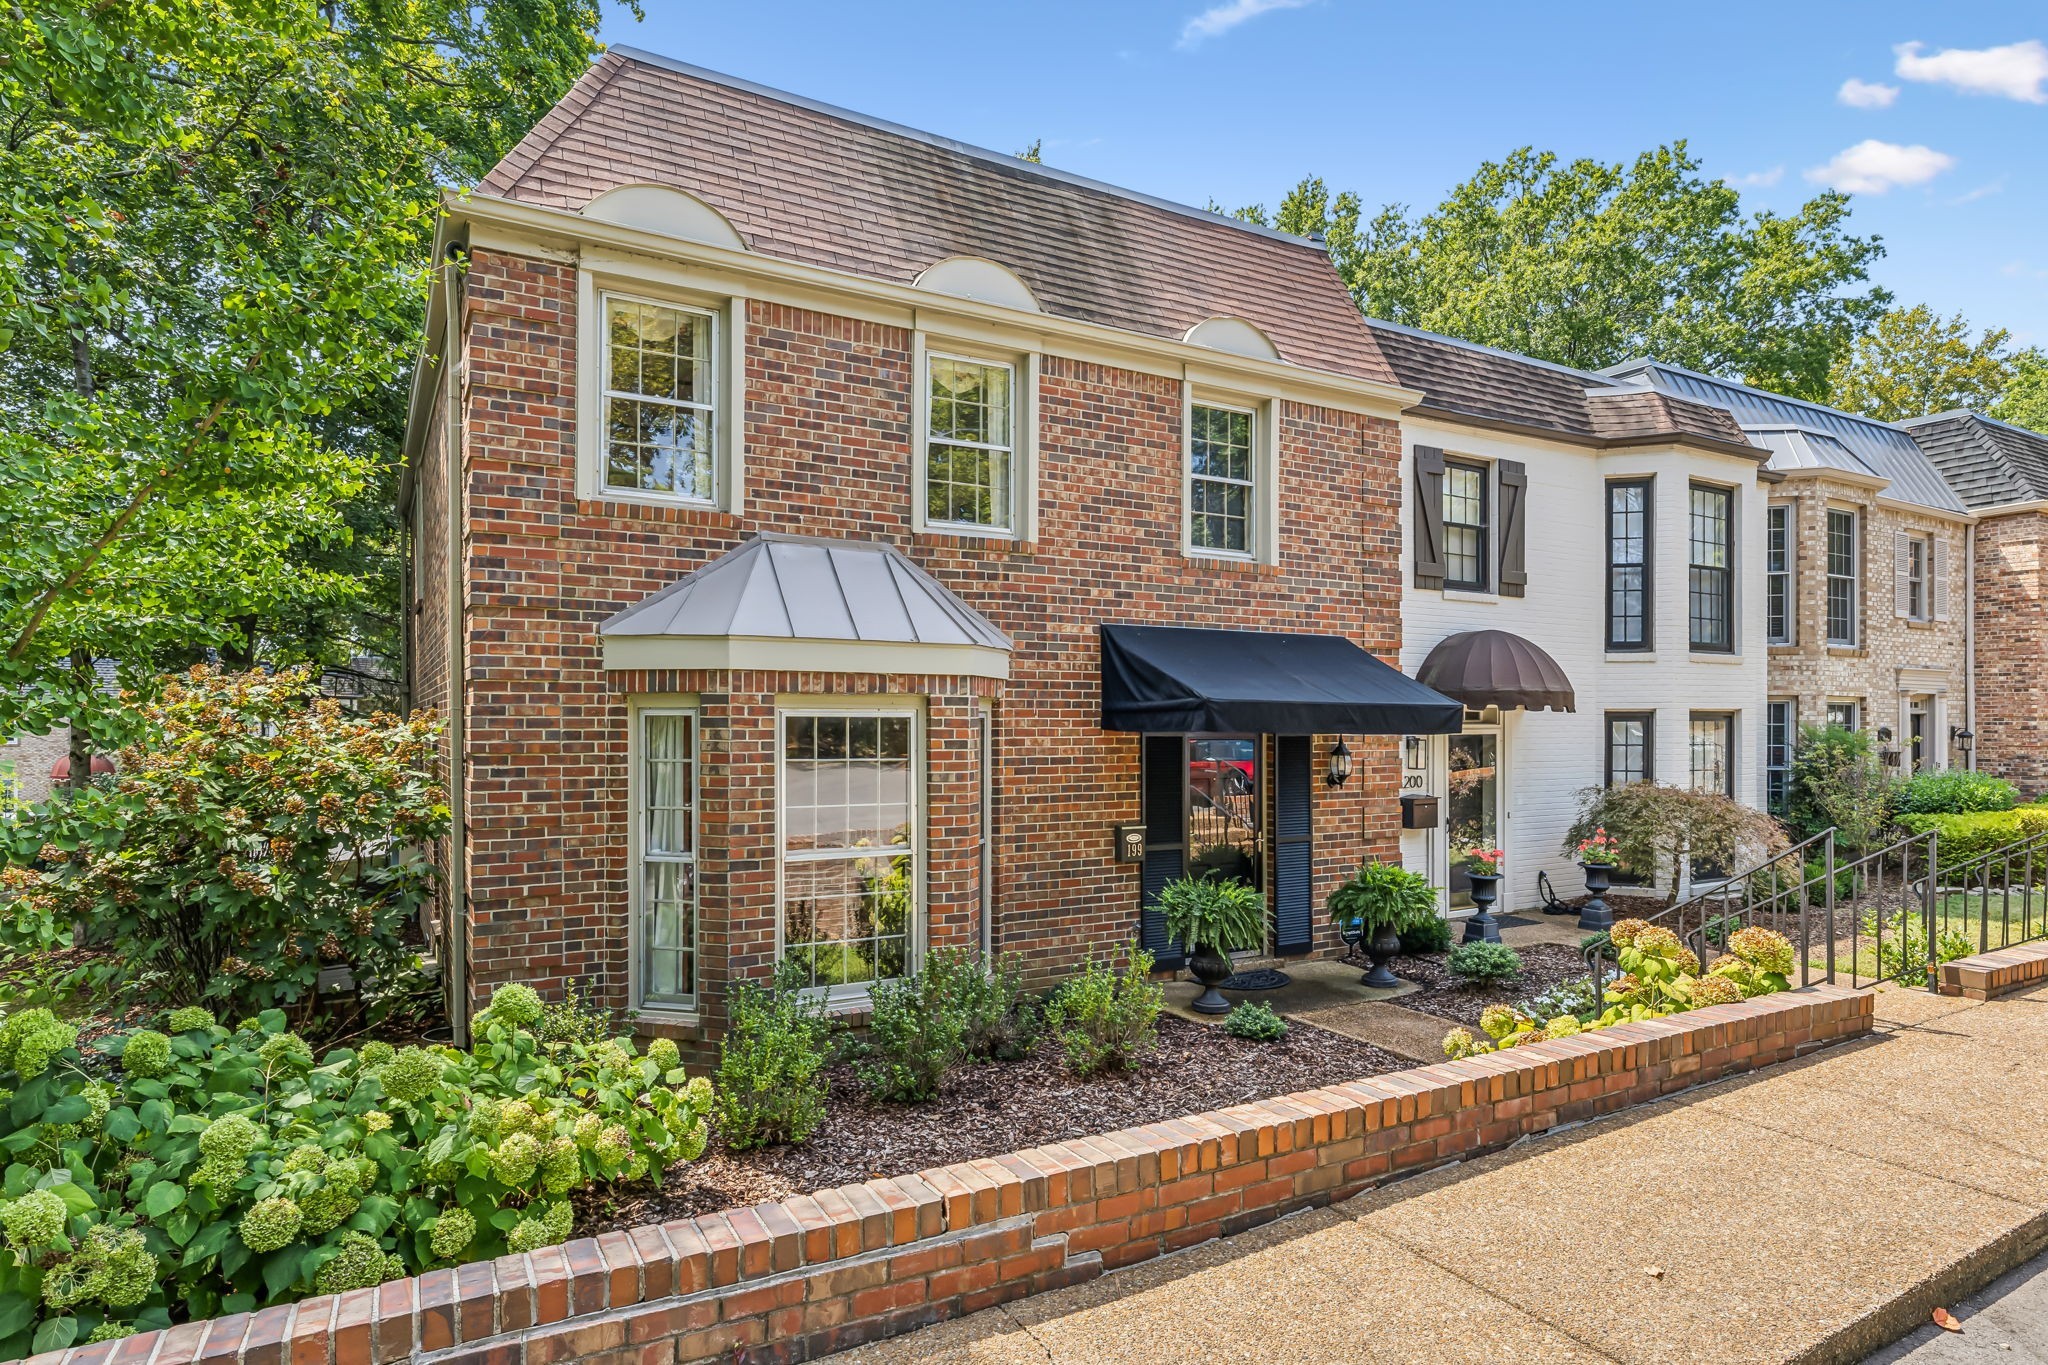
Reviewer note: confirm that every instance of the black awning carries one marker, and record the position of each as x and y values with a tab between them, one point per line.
1493	668
1186	680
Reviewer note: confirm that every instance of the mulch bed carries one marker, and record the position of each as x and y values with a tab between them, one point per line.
995	1108
1544	965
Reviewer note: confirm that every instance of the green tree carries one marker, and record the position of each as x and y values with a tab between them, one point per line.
214	224
1587	264
2025	400
1914	361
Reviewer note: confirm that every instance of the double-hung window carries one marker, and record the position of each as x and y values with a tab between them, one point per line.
1845	715
1713	752
970	449
1919	563
850	864
660	409
1781	731
665	794
1222	479
1710	588
1630	736
1466	560
1628	564
1780	606
1842	575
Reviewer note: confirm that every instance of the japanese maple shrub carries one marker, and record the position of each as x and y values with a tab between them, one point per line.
197	1170
257	833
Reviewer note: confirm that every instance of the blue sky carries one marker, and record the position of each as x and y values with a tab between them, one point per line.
1944	138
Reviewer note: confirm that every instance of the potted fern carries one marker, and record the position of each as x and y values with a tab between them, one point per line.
1212	917
1383	901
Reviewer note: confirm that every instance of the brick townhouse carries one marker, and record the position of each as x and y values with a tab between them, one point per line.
2001	472
832	542
1864	597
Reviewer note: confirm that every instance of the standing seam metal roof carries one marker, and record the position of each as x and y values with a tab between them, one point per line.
1886	450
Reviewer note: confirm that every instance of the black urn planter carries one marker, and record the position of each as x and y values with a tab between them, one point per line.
1483	927
1211	968
1594	915
1381	948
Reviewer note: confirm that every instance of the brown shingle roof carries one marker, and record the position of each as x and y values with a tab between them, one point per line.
820	186
1462	379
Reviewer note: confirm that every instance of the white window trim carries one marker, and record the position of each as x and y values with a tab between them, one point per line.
728	386
856	995
1024	371
1263	504
1790	573
638	709
1854	576
1791	705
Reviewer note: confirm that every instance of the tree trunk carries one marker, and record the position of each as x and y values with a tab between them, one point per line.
83	672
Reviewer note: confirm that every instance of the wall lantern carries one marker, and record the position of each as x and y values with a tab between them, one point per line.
1965	740
1340	766
1887	753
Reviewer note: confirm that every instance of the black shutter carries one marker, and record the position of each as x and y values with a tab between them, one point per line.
1163	785
1514	527
1429	517
1294	914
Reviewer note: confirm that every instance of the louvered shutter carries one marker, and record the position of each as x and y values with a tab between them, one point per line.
1429	517
1163	788
1940	580
1294	921
1902	574
1514	518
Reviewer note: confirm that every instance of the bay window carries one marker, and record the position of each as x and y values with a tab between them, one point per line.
1628	564
1842	575
1780	606
664	795
1710	588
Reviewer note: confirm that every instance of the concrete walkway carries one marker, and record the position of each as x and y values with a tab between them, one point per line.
1815	1212
2007	1322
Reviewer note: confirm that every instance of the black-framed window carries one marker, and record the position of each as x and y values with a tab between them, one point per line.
1780	613
1781	730
1710	586
1843	557
1631	745
1628	564
1466	508
1713	752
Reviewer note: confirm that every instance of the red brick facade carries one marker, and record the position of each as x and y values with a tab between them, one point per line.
2012	649
828	421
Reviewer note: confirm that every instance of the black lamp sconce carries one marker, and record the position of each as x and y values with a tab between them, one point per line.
1340	766
1886	753
1964	740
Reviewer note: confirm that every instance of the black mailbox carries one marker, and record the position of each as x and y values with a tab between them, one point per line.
1418	812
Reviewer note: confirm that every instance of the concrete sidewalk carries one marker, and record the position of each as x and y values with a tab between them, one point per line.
1813	1212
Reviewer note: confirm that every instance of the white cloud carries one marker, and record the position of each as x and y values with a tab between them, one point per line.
2017	71
1872	167
1981	192
1218	20
1762	180
1859	94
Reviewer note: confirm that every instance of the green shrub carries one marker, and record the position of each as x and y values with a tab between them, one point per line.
1953	791
917	1032
1384	896
1902	947
576	1018
256	834
1819	755
771	1062
1107	1020
1776	888
1960	838
1213	912
1432	935
1255	1021
207	1172
1002	1017
1484	963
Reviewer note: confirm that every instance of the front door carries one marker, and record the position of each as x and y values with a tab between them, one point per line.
1920	754
1225	828
1471	803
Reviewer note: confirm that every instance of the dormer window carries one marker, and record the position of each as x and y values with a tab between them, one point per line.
660	406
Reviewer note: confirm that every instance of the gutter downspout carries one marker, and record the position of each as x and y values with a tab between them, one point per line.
456	939
1970	640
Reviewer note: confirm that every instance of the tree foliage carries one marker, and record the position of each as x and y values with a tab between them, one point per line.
1587	263
1656	828
1914	362
213	230
2025	400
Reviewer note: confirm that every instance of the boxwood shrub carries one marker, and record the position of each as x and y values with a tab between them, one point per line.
195	1170
1962	837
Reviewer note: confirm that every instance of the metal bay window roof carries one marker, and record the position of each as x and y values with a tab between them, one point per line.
797	602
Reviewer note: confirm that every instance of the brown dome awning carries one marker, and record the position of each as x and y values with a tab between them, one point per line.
1493	668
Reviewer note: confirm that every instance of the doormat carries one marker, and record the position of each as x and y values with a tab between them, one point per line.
1258	979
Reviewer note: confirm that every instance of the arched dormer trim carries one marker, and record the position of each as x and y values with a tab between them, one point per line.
972	277
1234	336
668	211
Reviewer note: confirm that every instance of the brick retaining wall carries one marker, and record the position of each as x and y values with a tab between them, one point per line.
818	1273
1990	975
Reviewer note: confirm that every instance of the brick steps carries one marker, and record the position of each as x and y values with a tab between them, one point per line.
1990	975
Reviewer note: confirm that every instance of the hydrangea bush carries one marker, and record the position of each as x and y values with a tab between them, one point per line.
201	1170
1658	976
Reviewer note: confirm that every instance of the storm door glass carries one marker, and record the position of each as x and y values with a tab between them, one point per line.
1224	825
1471	804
